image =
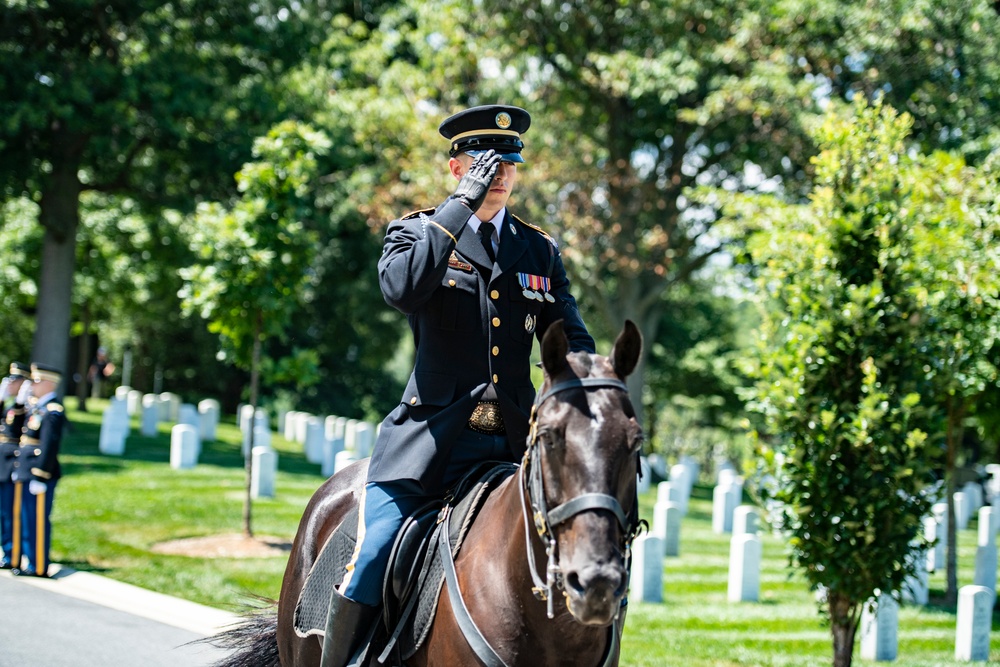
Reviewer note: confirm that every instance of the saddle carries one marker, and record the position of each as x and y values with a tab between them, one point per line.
415	573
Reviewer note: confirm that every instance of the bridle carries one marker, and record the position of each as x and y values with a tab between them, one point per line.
545	518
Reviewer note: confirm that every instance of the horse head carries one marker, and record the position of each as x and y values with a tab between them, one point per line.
581	466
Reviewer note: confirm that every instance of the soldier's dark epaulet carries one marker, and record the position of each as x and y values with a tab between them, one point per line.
537	229
417	214
53	407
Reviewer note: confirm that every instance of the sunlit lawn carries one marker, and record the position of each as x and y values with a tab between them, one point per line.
111	511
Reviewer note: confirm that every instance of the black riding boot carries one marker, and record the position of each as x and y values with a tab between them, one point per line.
348	624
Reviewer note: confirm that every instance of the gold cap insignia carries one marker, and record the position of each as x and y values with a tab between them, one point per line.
503	120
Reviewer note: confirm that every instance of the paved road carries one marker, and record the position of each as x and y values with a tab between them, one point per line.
77	619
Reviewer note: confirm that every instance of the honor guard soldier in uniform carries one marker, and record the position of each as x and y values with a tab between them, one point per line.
11	421
36	466
478	285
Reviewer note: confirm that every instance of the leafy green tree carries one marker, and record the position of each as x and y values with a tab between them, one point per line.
955	271
156	101
837	377
257	255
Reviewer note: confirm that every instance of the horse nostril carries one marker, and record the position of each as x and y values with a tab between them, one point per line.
573	582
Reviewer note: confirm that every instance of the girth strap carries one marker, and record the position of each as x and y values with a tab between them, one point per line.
469	629
588	501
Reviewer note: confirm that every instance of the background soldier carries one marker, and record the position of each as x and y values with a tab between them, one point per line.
11	422
37	466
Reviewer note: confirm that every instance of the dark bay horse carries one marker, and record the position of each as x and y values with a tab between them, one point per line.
544	568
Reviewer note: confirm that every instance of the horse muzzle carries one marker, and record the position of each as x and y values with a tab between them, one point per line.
594	592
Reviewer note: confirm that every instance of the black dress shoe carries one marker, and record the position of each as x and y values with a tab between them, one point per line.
6	565
17	572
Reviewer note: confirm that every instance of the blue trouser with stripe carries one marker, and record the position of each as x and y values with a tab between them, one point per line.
35	511
386	505
7	520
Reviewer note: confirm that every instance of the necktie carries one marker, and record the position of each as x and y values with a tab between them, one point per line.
486	238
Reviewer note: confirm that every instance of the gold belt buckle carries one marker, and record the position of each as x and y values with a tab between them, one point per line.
486	418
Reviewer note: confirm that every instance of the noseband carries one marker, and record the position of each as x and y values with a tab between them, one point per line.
545	518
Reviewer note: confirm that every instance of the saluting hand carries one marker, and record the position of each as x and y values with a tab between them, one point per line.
475	184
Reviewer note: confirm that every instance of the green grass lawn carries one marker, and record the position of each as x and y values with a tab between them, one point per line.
111	511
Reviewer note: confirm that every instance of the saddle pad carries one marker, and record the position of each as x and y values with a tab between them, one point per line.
431	580
325	575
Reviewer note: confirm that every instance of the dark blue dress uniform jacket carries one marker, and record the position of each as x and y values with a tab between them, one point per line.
38	455
11	422
473	328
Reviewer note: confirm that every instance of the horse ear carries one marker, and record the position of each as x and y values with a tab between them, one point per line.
555	347
625	354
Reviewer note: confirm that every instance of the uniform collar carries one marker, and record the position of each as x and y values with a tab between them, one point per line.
45	399
497	221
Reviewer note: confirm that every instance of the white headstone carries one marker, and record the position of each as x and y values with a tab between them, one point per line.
726	474
683	476
133	403
208	412
302	425
261	438
282	413
745	520
265	469
291	422
343	459
188	414
314	439
667	526
963	511
330	427
880	629
340	427
974	492
244	415
986	566
170	407
934	561
647	569
121	392
364	439
150	414
331	448
744	568
987	525
916	588
669	492
114	428
183	446
722	509
349	435
975	615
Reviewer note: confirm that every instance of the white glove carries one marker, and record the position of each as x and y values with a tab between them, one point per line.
36	487
3	388
25	393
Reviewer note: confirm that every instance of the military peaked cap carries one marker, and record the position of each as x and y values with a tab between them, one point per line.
19	370
496	126
42	372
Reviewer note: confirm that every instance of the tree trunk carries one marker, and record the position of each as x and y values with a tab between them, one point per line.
83	363
59	214
952	436
844	616
248	462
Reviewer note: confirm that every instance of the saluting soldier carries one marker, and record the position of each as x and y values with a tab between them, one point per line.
11	421
36	466
478	285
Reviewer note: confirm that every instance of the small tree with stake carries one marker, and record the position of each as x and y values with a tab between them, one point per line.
257	255
836	381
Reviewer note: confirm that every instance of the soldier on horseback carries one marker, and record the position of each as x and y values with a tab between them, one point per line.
477	285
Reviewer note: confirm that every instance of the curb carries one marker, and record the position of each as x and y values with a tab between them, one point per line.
94	588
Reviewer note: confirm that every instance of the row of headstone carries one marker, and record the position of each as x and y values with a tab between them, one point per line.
332	442
880	626
726	497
